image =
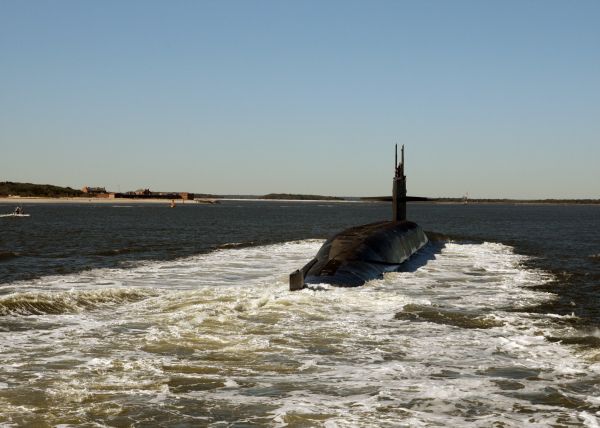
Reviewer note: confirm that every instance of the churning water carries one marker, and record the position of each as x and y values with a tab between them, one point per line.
474	331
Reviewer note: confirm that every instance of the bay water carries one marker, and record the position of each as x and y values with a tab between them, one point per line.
144	315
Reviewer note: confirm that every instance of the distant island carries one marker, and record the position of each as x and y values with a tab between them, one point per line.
389	199
515	201
8	188
292	196
29	190
465	201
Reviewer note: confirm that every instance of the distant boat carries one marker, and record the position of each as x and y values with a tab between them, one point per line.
18	212
173	204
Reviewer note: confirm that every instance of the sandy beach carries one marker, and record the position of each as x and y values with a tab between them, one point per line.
119	201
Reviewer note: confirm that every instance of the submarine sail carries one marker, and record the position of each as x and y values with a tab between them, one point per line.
361	253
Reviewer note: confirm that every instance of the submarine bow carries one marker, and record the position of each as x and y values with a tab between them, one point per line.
361	253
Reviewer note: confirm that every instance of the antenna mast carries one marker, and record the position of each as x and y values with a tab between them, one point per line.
399	189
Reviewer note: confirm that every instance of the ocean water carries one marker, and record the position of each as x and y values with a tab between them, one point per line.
145	315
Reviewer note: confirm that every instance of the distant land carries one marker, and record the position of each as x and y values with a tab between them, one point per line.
296	197
9	188
484	200
12	189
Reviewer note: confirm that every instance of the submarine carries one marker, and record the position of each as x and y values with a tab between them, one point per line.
362	253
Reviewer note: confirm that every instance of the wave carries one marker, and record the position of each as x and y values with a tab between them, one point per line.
226	246
57	303
235	245
585	341
412	312
7	255
437	237
118	251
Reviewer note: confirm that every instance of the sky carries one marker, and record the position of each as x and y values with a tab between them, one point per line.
497	99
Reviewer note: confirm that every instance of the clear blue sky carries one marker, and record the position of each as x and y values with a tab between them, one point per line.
494	98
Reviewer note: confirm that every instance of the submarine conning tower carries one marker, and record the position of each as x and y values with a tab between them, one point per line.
399	189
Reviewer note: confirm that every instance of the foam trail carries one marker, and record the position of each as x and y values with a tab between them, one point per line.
218	337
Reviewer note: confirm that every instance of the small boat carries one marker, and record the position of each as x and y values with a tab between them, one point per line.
173	204
18	212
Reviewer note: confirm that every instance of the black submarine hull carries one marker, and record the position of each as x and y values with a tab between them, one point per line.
360	254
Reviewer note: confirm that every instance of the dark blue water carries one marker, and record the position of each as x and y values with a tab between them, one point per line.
64	238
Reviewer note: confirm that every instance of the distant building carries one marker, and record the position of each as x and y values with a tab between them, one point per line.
94	190
147	194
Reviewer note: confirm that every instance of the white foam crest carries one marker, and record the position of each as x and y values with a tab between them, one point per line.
480	276
220	267
59	302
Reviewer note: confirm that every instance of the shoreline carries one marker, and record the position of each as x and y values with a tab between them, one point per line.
208	201
102	201
133	201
